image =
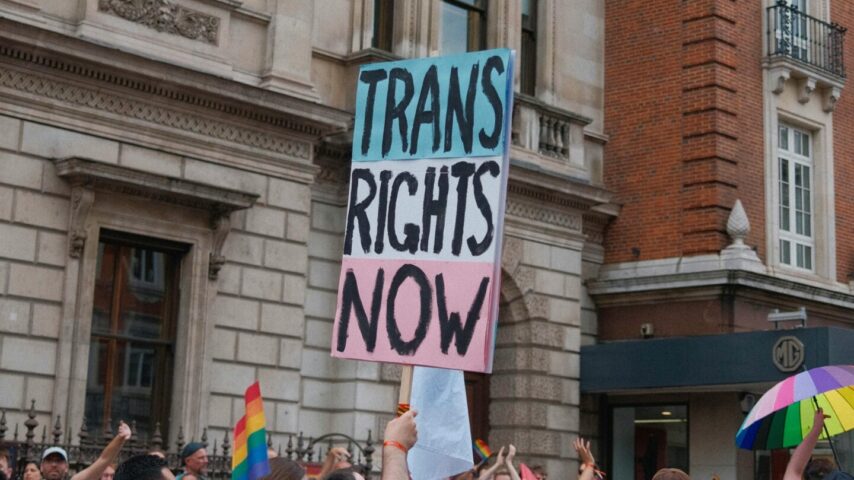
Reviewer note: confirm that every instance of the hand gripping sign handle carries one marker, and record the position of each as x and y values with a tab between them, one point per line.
405	390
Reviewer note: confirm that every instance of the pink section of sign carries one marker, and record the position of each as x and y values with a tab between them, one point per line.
415	334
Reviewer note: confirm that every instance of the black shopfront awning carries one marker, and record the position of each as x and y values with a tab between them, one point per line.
701	362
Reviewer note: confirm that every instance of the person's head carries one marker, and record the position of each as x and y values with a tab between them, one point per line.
467	475
284	469
502	474
540	472
838	475
54	464
818	469
109	472
349	473
143	467
195	458
158	453
671	474
4	463
31	471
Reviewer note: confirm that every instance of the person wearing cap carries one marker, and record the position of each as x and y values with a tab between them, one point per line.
54	465
195	460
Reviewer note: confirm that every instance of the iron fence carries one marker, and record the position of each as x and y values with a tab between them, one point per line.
82	453
795	35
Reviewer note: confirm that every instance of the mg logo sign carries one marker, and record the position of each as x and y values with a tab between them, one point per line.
788	354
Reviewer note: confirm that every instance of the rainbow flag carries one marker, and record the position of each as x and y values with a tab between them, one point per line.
250	439
482	449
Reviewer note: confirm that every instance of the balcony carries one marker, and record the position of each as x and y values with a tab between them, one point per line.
806	49
549	136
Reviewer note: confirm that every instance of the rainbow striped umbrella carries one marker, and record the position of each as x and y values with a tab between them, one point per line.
783	416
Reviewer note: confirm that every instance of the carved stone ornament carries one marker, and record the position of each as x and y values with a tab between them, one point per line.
805	88
830	97
82	198
738	226
165	16
221	225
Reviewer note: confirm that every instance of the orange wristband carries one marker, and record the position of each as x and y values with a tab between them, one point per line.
394	443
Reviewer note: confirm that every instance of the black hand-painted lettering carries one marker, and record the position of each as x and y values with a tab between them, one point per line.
395	338
492	63
478	248
372	78
410	230
465	118
430	86
397	110
434	208
379	241
450	326
351	300
358	211
463	171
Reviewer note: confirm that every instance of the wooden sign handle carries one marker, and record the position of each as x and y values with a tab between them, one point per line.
405	390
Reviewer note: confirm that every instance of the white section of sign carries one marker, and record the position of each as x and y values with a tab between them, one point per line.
409	209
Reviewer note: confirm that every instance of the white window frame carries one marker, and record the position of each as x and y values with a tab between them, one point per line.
795	211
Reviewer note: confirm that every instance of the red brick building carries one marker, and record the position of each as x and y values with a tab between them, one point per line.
707	103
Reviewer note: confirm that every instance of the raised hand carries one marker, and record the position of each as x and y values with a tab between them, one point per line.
582	448
124	431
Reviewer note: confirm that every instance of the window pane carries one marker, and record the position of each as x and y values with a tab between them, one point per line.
785	252
805	145
783	142
454	30
807	257
383	24
807	225
528	60
647	438
799	249
104	284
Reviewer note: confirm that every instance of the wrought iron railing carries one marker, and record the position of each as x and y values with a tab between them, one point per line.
88	447
795	35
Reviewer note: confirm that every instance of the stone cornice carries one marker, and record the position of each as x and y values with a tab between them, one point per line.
628	289
90	63
544	186
115	178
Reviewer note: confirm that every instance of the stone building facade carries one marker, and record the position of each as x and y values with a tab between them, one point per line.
730	155
172	199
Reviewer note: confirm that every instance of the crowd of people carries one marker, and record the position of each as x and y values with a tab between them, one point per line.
401	434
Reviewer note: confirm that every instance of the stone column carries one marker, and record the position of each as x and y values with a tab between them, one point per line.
535	382
289	46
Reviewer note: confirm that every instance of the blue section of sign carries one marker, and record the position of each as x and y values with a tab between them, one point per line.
437	107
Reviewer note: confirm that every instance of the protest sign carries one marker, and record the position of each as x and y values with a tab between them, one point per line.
420	275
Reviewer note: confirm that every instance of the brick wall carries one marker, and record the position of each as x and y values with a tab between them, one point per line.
683	108
842	12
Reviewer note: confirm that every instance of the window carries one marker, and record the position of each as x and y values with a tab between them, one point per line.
647	438
528	70
383	24
133	332
792	32
795	209
463	27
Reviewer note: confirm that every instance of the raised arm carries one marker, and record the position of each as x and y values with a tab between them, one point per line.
508	462
489	472
400	435
108	456
802	454
333	457
587	468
